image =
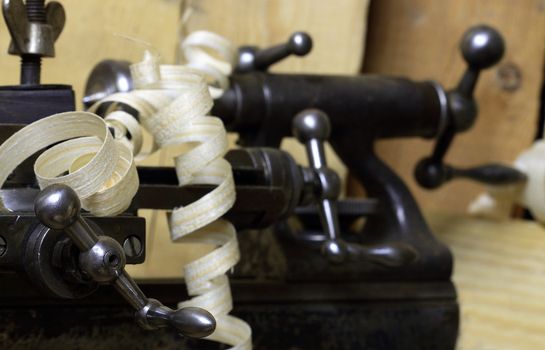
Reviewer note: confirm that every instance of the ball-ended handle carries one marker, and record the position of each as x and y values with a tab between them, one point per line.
482	46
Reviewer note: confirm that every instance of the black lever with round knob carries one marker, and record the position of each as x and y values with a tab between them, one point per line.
252	59
312	128
103	259
482	47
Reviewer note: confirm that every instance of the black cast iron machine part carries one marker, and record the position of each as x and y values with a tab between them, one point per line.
481	47
312	128
260	106
102	259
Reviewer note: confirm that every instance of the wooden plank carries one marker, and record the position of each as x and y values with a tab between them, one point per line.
419	39
498	273
338	29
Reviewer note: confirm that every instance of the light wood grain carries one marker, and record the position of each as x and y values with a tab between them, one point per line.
338	29
500	277
419	39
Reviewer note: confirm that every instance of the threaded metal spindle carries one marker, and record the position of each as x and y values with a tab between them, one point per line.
30	69
35	10
31	64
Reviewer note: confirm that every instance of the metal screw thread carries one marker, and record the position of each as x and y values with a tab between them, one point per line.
30	69
31	64
35	10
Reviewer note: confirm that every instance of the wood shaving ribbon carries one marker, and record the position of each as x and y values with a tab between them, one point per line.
173	103
83	155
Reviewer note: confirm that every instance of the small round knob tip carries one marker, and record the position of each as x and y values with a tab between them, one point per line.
334	251
311	124
57	206
193	322
482	46
300	43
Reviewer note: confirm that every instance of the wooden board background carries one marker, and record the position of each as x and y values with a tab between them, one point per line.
499	270
419	39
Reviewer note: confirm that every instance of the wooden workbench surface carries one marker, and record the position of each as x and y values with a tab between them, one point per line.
500	277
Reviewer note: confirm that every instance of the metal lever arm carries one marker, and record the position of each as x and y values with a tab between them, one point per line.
490	174
312	128
482	47
103	259
252	59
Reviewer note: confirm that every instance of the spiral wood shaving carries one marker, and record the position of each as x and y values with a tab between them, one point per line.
173	103
84	156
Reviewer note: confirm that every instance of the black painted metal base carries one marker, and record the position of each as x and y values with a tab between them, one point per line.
379	316
378	326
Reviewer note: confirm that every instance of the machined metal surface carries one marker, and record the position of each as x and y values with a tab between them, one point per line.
106	78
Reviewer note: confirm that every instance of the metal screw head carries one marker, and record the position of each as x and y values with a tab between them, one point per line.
510	77
132	246
3	246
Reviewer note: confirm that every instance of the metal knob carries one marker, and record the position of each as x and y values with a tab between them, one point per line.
103	259
482	47
252	59
312	128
